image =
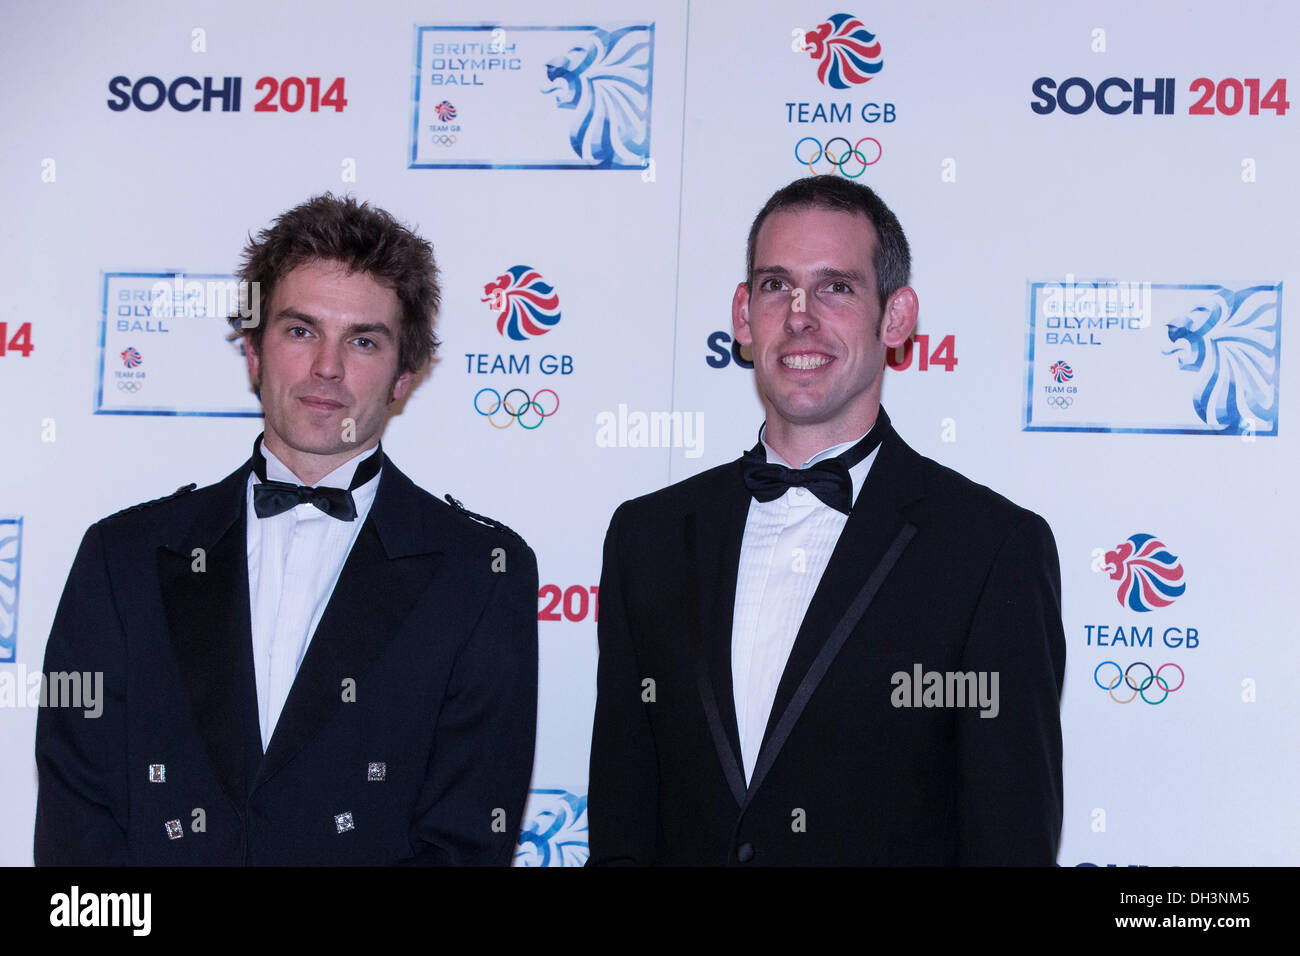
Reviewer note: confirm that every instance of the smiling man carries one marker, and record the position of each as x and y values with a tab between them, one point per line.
312	661
832	650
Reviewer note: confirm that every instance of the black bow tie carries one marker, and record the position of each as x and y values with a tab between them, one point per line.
276	497
829	480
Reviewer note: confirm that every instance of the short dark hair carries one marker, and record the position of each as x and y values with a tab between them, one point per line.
364	239
892	260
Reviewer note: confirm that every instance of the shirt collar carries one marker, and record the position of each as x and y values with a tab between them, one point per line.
340	477
858	473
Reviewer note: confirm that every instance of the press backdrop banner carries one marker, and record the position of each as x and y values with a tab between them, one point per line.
1101	203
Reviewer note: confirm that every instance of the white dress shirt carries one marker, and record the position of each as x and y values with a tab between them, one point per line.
787	544
294	561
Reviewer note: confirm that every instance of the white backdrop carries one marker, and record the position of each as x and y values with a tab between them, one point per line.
638	224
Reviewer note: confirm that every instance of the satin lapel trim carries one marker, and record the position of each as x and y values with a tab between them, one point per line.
384	575
712	542
772	746
209	629
894	481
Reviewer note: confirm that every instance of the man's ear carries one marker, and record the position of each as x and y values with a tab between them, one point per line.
740	315
401	386
901	312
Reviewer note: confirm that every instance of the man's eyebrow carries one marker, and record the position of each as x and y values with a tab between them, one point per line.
368	328
354	328
851	275
295	315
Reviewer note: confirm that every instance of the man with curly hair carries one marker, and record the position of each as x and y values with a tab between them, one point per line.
313	661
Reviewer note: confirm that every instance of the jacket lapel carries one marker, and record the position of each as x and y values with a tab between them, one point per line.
205	603
873	539
389	567
713	536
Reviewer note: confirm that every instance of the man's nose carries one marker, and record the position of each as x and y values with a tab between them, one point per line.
798	315
328	360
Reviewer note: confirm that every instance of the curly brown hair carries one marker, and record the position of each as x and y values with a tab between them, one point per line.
365	239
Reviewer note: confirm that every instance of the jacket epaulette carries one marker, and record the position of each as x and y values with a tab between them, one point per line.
482	519
183	489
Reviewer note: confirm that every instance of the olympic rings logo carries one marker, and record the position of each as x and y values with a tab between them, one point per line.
129	385
1060	401
837	162
515	413
1139	688
443	140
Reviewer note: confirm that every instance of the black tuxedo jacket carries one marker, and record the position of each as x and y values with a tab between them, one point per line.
407	735
931	570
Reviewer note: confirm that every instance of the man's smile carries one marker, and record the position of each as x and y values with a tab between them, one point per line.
806	361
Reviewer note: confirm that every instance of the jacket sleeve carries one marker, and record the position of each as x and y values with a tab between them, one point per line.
472	803
1009	786
623	797
81	806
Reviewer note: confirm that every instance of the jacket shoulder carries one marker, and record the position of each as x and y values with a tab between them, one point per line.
965	503
449	516
182	490
481	520
172	513
708	487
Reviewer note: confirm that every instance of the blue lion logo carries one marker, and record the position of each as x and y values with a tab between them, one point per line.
1230	343
11	542
606	81
555	833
